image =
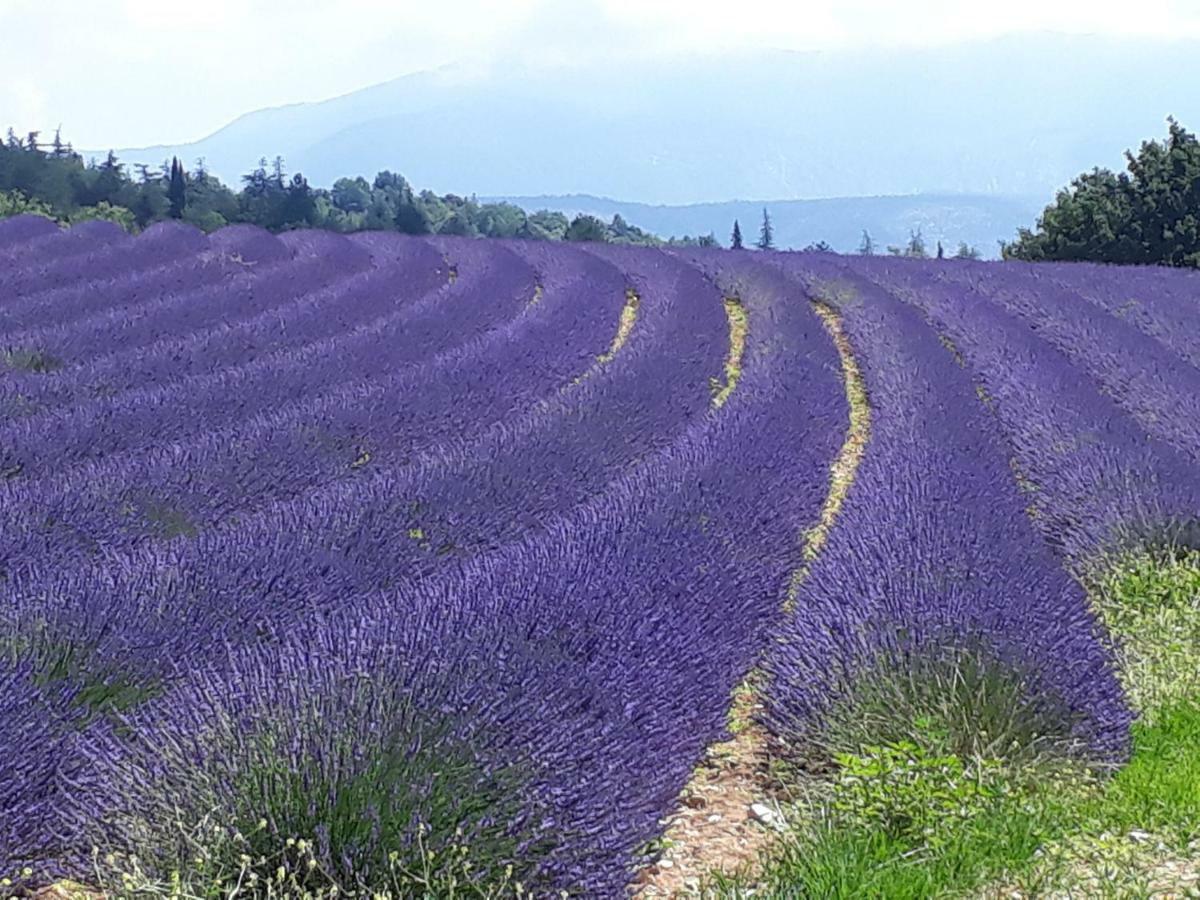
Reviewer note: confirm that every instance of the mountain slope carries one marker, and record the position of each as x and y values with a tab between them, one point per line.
1017	115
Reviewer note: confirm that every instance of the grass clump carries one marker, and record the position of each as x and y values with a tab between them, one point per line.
934	774
960	701
1159	790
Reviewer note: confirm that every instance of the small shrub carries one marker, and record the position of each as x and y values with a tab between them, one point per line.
910	793
38	362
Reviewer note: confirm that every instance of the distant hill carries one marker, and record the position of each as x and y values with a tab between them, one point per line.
979	220
1014	116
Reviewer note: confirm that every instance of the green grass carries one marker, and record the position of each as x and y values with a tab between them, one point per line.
924	810
1160	788
1151	603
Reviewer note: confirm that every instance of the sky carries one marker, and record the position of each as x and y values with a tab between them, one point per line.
130	73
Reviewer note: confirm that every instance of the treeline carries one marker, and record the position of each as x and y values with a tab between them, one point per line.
914	249
53	180
1149	214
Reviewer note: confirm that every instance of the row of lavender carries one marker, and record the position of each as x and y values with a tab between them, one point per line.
288	516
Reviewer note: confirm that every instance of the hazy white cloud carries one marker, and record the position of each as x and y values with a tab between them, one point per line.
136	72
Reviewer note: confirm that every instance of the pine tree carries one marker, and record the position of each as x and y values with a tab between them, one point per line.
177	189
766	236
735	240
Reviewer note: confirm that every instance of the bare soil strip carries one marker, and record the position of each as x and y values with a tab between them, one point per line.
739	325
725	815
625	327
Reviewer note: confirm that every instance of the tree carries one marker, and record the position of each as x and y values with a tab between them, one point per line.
410	218
298	207
105	212
502	220
941	253
458	224
766	236
59	183
547	225
867	247
586	228
351	194
916	246
15	203
256	184
735	240
1149	214
966	251
111	178
819	247
177	189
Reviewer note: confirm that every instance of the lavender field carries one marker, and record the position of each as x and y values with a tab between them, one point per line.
392	544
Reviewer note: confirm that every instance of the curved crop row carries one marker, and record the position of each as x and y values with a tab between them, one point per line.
162	260
1160	303
402	519
431	318
49	252
933	549
378	425
1158	389
1092	476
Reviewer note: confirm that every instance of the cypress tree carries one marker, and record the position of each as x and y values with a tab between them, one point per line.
735	241
766	236
177	189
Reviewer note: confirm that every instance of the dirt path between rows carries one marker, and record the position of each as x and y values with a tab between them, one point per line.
726	816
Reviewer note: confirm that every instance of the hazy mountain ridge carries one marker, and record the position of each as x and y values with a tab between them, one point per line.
783	125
